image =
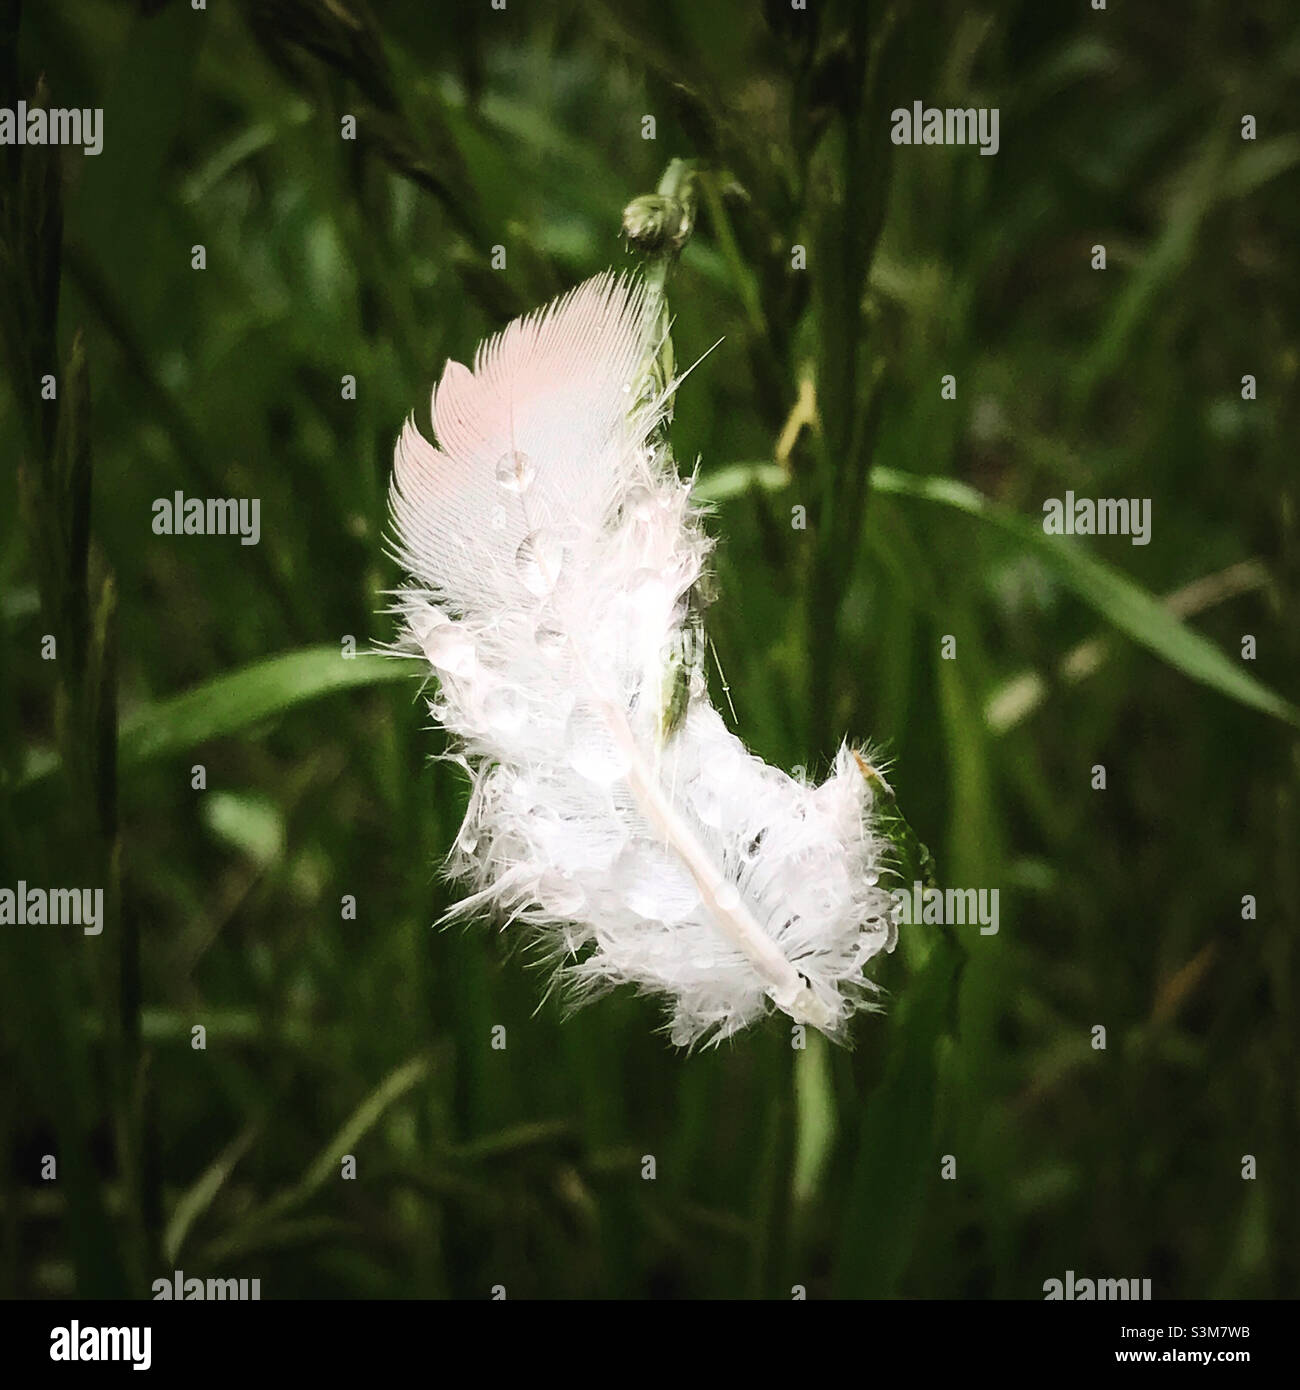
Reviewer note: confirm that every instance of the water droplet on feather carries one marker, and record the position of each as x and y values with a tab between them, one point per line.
450	649
539	559
515	471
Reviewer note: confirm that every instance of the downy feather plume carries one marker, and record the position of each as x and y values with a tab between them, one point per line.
613	816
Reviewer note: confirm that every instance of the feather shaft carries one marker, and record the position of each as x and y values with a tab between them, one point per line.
736	923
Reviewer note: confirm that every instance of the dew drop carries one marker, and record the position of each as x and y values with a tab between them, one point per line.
708	805
637	877
515	471
727	896
424	619
640	502
558	893
539	560
643	902
550	640
450	649
503	710
591	749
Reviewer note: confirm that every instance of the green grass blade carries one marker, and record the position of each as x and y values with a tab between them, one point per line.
234	701
326	1163
1122	602
1117	598
197	1199
896	1161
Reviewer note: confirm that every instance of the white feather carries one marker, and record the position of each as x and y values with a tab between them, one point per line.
554	550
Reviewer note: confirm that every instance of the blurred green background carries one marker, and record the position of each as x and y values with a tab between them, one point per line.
522	128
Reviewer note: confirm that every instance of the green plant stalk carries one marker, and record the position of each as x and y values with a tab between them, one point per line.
659	225
78	603
774	1206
